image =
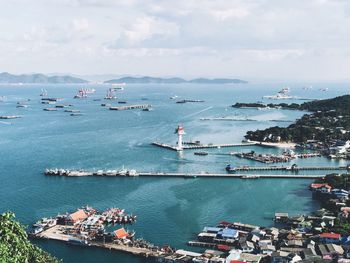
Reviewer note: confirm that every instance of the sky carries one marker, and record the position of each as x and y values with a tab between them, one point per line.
249	39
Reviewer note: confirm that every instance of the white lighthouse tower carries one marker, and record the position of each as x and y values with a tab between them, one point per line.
180	131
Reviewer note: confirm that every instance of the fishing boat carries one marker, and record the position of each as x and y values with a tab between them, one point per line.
73	111
22	106
201	153
78	242
250	176
230	169
43	93
6	117
111	94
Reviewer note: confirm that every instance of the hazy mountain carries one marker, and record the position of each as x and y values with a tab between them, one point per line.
173	80
38	78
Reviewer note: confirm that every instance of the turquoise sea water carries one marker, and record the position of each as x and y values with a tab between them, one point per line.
170	210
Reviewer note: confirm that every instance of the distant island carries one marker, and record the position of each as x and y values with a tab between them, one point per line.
146	79
6	77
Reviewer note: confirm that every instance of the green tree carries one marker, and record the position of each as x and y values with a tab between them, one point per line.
15	246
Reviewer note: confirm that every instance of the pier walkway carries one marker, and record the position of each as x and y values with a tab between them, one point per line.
202	146
115	173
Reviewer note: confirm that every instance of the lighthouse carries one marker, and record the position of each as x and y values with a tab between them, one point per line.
180	131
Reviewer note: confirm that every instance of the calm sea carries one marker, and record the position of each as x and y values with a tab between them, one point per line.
170	211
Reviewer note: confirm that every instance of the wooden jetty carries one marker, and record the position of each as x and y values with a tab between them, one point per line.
131	107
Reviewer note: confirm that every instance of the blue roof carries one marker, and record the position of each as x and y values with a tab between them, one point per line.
229	233
211	229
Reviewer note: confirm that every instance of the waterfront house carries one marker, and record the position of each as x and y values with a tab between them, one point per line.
309	254
295	243
330	251
228	233
279	257
281	217
247	246
267	249
121	233
321	188
328	220
330	238
252	258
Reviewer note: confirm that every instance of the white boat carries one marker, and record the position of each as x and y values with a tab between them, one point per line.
111	95
43	93
281	95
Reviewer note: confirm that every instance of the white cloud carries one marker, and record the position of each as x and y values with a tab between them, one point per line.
80	24
251	37
230	13
147	27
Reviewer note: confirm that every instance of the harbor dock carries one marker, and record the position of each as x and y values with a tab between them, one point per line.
133	173
57	233
201	146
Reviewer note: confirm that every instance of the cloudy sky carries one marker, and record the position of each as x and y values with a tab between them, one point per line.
251	39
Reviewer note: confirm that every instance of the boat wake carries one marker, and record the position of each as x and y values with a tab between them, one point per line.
6	123
196	113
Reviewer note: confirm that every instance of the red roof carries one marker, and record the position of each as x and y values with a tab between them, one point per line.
121	233
330	235
224	247
78	215
320	186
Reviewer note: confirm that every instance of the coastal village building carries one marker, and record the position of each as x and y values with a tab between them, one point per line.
77	216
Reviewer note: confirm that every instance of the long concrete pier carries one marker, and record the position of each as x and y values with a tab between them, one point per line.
115	173
201	146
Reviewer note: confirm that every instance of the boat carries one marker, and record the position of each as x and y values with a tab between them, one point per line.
230	169
50	109
281	95
250	176
22	106
73	111
174	97
122	102
76	114
78	242
201	153
6	117
111	94
43	93
147	109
